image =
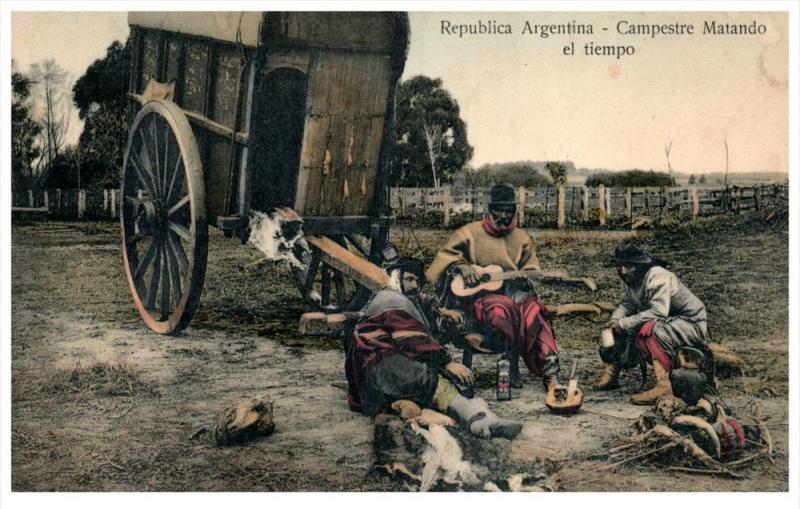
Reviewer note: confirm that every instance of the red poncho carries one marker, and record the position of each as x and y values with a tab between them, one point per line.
373	341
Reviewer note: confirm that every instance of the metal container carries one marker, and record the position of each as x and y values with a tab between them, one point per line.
503	379
606	338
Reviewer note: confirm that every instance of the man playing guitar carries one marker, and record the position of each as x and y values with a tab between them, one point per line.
515	311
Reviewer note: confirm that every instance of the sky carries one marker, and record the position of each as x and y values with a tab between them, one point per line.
523	99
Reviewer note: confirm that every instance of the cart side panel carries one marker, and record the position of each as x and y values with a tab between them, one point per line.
343	133
195	80
149	61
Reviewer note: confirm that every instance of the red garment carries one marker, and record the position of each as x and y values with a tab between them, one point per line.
492	229
525	324
366	351
650	348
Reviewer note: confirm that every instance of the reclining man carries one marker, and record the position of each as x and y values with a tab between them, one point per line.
393	362
516	311
657	317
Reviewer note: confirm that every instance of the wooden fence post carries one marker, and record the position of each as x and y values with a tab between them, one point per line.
608	203
30	198
446	206
601	205
522	197
695	203
585	197
562	198
757	192
629	204
105	200
113	203
81	203
58	199
46	200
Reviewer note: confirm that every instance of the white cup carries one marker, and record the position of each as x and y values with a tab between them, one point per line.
606	338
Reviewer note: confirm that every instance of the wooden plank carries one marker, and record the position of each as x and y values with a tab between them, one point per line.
29	210
331	194
562	216
312	160
349	264
371	160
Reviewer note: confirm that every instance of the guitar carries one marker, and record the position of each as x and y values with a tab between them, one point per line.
492	277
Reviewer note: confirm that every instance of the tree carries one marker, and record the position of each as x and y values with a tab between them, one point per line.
558	172
691	179
518	173
702	179
431	139
52	110
24	132
105	82
101	98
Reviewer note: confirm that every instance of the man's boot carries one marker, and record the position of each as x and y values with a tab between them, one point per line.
608	379
474	414
550	372
663	387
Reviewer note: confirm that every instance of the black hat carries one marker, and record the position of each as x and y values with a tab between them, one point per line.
631	254
503	194
393	261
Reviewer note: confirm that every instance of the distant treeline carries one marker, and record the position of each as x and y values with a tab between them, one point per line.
516	173
630	178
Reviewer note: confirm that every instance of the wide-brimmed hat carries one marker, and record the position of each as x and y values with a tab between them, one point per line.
629	253
503	194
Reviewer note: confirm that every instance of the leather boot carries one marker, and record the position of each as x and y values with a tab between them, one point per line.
550	372
663	387
608	379
550	382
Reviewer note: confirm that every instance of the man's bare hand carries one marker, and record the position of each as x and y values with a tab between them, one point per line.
612	324
460	371
453	316
468	273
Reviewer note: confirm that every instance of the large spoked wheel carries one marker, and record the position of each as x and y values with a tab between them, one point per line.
163	217
325	287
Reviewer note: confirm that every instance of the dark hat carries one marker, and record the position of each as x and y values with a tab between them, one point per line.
393	261
631	253
503	194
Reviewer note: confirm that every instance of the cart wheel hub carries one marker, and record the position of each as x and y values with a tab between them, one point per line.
150	218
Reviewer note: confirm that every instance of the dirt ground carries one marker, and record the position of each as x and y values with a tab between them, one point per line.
100	403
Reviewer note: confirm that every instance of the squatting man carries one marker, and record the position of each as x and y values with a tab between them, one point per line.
658	316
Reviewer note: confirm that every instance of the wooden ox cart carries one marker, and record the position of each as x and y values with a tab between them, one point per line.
251	111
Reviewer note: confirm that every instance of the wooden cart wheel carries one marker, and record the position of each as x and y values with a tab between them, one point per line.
163	217
327	288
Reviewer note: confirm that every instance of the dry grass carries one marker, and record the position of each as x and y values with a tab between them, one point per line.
116	378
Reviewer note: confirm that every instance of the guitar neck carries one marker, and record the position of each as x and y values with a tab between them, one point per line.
531	273
514	274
